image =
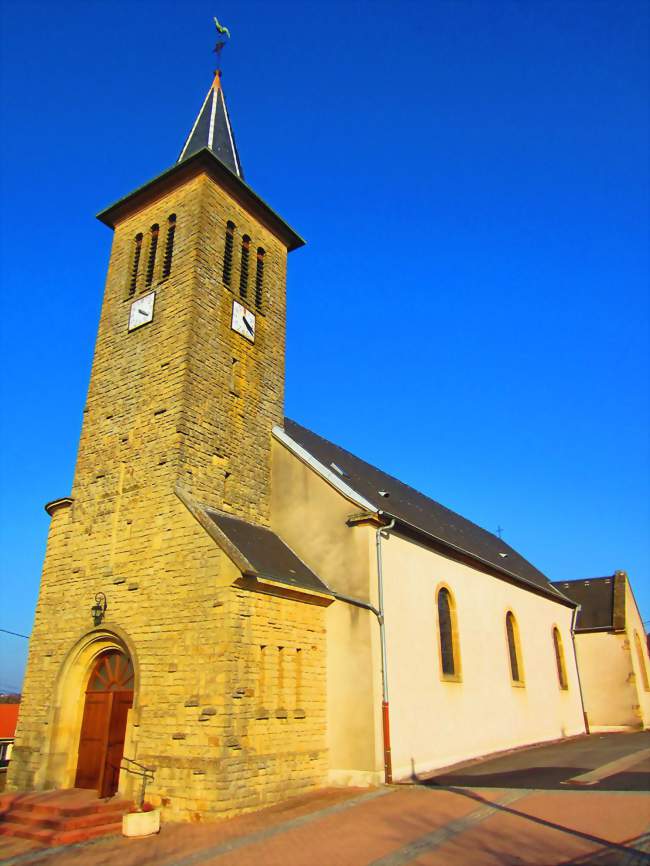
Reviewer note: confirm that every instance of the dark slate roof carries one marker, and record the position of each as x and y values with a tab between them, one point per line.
212	129
419	511
267	553
596	599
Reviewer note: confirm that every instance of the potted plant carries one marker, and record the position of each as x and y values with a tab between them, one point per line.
141	820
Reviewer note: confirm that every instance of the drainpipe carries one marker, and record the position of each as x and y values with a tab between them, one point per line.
388	761
379	613
574	617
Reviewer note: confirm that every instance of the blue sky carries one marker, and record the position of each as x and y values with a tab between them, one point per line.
471	310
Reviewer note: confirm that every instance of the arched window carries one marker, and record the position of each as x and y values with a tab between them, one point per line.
135	263
259	279
113	671
243	273
169	246
559	658
227	252
153	247
448	636
640	656
514	649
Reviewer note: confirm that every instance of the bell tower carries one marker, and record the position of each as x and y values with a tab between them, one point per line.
187	384
188	374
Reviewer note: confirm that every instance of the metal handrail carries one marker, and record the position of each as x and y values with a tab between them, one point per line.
147	774
151	770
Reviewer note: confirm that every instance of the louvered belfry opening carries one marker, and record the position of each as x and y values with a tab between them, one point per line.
228	249
259	279
169	246
135	263
153	247
243	273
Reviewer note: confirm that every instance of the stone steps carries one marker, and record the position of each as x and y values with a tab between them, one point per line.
60	817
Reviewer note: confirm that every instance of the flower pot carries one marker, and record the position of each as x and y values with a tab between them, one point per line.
141	823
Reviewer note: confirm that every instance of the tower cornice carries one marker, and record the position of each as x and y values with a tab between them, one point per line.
202	162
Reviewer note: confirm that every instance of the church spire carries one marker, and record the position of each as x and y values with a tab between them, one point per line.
212	129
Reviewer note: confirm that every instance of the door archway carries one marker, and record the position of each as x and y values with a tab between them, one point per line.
108	699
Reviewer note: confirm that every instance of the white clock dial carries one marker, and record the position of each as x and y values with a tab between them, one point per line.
243	321
141	311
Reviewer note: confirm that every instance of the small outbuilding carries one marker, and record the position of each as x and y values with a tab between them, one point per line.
612	652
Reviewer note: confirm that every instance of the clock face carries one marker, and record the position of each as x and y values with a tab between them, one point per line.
141	311
243	321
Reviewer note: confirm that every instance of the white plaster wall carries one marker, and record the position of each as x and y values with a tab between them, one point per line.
608	689
633	623
436	723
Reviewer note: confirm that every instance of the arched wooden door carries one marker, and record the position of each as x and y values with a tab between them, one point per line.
109	697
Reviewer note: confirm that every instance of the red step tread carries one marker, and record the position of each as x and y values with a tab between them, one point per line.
70	836
8	828
31	819
60	817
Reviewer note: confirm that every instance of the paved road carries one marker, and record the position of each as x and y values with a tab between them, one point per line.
414	825
548	767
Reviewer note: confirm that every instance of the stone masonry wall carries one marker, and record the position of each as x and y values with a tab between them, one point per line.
234	390
230	694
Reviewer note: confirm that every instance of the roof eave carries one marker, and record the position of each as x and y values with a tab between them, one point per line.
203	160
555	595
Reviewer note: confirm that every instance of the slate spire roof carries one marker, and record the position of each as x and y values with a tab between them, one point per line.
212	129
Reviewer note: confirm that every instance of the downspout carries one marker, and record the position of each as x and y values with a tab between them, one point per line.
574	617
388	761
379	613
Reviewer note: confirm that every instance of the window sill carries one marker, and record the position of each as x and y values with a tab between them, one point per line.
451	678
518	684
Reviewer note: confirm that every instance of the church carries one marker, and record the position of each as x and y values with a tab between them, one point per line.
227	598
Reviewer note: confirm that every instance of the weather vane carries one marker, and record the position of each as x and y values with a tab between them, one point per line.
224	36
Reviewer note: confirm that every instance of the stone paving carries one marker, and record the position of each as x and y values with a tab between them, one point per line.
423	824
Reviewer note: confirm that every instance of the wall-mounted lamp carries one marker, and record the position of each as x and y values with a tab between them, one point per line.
99	608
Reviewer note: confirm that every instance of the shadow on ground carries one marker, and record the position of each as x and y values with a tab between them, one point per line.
629	852
542	778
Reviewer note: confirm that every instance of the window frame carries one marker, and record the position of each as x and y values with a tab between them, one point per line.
457	675
514	647
560	658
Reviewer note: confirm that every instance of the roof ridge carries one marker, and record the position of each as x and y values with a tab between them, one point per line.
583	579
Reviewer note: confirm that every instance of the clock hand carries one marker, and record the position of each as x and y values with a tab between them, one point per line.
250	330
